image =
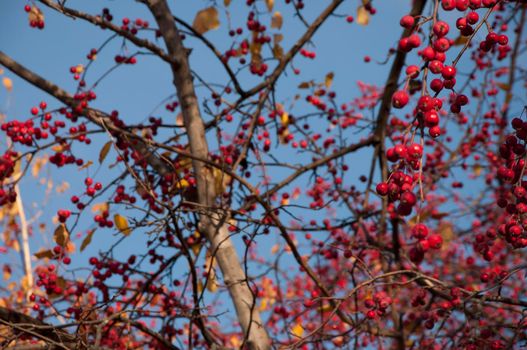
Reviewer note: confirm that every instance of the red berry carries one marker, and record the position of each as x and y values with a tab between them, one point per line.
407	21
472	17
382	188
400	99
448	72
420	231
441	29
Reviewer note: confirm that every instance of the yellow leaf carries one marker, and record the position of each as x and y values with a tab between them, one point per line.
277	20
79	69
263	305
44	254
329	80
206	20
8	83
100	207
297	330
61	235
285	119
87	240
122	224
182	184
104	151
270	4
363	16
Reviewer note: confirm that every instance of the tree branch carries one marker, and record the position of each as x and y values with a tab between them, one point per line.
212	221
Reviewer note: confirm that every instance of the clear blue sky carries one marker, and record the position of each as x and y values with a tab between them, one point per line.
136	90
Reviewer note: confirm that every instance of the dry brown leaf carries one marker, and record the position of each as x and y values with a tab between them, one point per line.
306	85
207	19
363	16
87	240
277	20
226	2
460	40
44	254
278	51
86	165
61	235
329	80
270	4
104	151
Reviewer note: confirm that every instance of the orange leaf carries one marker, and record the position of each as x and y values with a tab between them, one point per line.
363	16
8	83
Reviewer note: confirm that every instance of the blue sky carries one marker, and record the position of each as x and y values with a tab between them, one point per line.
136	90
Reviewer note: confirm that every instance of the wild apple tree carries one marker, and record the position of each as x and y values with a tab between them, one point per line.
245	215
